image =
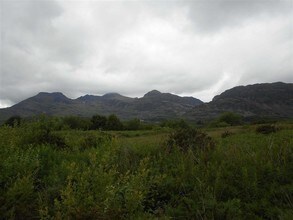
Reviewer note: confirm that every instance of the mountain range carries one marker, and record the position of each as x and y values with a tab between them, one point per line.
153	106
274	100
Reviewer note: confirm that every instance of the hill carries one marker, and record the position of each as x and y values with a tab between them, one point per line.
152	106
266	100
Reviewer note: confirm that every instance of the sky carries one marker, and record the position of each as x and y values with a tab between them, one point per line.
190	48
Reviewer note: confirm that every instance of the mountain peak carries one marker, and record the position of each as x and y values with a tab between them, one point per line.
50	94
111	95
54	96
261	92
152	93
262	100
87	98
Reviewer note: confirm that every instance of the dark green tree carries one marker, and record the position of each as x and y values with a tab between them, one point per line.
230	118
133	124
180	123
13	121
75	122
114	123
98	122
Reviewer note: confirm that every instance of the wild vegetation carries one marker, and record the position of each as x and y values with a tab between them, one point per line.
78	168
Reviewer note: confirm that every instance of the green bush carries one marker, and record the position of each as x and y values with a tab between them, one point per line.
176	124
114	123
92	141
98	122
190	139
41	132
266	129
13	121
226	134
20	200
133	124
230	118
74	122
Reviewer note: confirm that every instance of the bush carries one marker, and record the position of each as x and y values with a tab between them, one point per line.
40	132
266	129
218	124
74	122
98	122
114	123
226	134
190	139
20	200
175	124
90	140
42	137
230	118
13	121
133	124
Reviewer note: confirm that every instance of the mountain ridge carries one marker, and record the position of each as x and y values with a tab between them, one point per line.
273	100
153	105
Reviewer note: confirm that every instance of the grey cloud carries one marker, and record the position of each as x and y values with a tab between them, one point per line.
195	48
214	15
31	15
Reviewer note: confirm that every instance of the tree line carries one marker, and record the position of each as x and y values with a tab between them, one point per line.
96	122
113	122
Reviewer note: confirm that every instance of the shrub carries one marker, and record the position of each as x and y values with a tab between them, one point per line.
266	129
43	137
74	122
190	138
20	200
175	124
218	124
114	123
98	122
226	134
133	124
230	118
13	121
40	132
90	140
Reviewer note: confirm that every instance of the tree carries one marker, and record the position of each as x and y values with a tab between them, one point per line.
114	123
180	123
75	122
230	118
98	122
13	121
133	124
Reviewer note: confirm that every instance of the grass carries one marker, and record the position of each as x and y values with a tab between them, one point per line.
133	175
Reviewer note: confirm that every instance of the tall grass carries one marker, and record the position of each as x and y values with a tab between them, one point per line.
130	175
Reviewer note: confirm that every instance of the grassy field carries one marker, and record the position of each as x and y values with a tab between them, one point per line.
72	174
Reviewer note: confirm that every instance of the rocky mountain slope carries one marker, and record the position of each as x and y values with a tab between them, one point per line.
152	106
268	100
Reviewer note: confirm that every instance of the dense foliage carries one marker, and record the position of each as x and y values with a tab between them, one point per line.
227	119
13	121
49	172
266	129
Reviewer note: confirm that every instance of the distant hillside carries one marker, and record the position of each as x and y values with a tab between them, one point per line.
271	100
152	106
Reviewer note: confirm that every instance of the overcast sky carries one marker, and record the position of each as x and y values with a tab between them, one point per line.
196	48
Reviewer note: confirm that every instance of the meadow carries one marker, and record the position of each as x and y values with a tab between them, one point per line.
159	173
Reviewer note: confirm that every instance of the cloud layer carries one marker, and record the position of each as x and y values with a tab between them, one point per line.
197	48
